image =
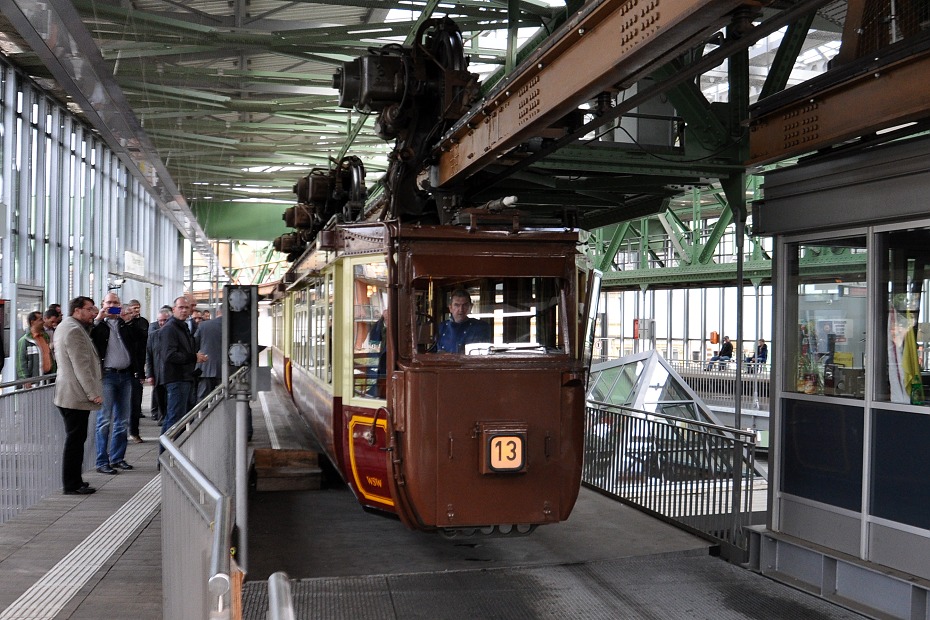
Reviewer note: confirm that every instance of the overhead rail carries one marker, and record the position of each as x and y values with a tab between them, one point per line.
615	41
463	150
882	90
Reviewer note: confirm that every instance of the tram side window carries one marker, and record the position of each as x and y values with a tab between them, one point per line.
300	349
481	316
369	333
320	305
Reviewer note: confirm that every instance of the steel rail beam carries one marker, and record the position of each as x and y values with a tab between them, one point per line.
882	93
614	41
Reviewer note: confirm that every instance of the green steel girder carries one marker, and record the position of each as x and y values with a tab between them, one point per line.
352	134
151	26
618	234
701	122
707	250
630	209
513	26
692	260
786	56
710	274
676	237
571	6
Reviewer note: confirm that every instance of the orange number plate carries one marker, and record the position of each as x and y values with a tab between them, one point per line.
506	453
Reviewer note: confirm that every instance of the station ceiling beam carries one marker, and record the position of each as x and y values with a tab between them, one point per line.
883	90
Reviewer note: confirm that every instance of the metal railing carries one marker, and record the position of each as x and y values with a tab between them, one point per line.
197	470
32	437
717	386
695	474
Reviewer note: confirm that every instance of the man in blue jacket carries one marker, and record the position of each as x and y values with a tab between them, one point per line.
460	329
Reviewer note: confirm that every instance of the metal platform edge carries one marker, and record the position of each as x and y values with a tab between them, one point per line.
846	581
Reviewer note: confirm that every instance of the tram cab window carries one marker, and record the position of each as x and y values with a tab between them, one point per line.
369	335
505	316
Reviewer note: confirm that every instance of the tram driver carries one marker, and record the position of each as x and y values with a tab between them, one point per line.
460	329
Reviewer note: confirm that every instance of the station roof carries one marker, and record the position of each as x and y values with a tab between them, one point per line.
230	101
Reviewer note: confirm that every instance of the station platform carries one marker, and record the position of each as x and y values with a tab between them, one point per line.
99	556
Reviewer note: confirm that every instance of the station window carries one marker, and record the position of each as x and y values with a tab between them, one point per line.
825	348
370	315
902	317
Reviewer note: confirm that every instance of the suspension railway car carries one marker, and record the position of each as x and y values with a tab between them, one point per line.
487	439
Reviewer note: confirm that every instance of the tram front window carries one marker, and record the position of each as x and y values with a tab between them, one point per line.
490	316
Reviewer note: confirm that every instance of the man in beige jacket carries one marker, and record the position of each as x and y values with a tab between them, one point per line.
78	388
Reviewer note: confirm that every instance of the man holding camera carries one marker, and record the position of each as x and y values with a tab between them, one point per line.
117	346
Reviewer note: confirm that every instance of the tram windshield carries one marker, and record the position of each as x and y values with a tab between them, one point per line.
502	316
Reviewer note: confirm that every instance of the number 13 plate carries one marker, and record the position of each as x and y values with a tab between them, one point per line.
507	453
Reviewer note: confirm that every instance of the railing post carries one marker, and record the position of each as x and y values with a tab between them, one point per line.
242	469
280	601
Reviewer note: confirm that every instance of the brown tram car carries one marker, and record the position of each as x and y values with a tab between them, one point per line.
489	440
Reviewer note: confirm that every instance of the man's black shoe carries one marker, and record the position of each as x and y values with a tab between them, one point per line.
106	469
85	484
121	465
81	491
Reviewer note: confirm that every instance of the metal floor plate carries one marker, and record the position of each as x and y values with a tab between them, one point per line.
679	585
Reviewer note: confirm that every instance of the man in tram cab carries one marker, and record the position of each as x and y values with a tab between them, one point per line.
460	329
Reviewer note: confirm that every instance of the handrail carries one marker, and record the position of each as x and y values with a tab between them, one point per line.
749	435
40	380
695	474
219	582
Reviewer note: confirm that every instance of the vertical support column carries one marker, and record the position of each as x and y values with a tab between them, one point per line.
734	188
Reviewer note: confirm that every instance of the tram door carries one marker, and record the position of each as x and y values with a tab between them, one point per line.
364	412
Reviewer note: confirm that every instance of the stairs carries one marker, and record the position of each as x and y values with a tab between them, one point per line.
287	470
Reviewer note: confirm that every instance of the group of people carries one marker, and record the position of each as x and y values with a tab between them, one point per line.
104	355
34	354
725	354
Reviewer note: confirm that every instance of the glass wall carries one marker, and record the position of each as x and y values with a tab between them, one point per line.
684	320
900	487
853	402
73	209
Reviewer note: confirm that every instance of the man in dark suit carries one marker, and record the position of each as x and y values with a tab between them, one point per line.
159	399
209	339
177	357
133	317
